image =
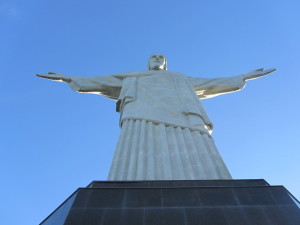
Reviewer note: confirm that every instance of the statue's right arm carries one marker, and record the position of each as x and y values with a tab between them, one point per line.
108	86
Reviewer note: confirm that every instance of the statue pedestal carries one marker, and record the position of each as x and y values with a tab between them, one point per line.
188	202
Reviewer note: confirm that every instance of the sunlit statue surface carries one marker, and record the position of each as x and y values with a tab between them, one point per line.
165	131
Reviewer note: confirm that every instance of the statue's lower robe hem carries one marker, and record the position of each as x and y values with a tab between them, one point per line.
148	151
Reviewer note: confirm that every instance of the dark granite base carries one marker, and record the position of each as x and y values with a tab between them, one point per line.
190	202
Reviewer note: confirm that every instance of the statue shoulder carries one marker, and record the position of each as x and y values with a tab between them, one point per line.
149	73
177	74
124	75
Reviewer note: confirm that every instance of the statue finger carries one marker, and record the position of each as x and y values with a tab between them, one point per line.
270	70
273	69
42	75
48	76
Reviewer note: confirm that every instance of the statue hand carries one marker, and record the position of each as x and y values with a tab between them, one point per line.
257	73
55	76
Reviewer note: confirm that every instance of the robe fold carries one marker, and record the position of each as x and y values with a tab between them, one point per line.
165	130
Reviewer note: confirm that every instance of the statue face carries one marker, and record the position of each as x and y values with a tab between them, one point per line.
157	62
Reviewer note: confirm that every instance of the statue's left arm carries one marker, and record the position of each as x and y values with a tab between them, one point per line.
208	88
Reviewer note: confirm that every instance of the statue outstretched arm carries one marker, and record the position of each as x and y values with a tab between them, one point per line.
108	86
208	88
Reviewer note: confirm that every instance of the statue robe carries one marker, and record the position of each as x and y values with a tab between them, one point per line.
165	131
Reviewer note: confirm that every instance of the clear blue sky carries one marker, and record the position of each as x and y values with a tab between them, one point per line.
53	140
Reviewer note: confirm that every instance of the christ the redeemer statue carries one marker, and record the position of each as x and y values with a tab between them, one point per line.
165	131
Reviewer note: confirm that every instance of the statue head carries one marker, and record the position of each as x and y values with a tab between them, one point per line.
157	62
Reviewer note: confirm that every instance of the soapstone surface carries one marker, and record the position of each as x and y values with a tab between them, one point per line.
165	130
